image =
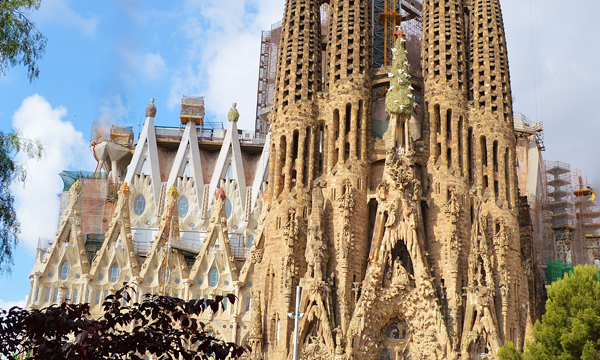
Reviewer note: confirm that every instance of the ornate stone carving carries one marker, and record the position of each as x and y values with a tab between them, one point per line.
317	254
151	109
233	115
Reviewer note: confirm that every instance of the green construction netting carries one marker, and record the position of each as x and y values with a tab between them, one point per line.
378	128
70	177
556	269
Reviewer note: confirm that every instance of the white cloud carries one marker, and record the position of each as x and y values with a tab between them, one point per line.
222	60
152	66
113	109
60	12
36	201
554	76
7	305
146	67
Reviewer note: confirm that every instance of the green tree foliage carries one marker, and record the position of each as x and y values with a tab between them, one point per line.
20	41
570	328
161	326
10	145
509	352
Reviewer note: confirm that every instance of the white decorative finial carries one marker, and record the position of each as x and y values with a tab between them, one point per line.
151	109
233	114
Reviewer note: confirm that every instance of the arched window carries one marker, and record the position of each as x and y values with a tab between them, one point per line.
114	272
213	277
65	269
139	205
183	206
228	208
250	240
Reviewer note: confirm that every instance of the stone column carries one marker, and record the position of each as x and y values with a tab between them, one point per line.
33	301
85	288
186	289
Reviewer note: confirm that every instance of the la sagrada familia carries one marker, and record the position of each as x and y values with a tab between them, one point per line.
407	246
440	274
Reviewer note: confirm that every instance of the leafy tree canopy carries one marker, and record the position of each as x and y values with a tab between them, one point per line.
570	328
10	145
161	326
20	41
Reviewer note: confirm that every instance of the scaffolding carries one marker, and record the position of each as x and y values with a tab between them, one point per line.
97	199
561	207
263	79
267	72
97	202
387	15
192	109
587	231
525	127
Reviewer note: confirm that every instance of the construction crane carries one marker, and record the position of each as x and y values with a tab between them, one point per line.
393	13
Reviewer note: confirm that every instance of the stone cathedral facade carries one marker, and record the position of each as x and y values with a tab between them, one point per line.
410	250
405	246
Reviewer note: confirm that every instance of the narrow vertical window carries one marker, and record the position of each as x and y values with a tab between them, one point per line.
358	128
460	144
449	124
65	269
295	145
348	117
507	171
483	147
470	154
495	154
115	271
437	118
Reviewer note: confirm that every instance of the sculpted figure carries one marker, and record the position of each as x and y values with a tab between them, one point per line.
316	247
316	256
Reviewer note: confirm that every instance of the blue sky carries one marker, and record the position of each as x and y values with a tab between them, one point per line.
105	60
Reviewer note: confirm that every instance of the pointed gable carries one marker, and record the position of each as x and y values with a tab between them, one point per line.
69	243
118	241
145	158
187	161
216	237
165	266
230	154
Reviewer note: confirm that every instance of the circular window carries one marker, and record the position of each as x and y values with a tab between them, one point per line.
228	208
65	269
213	277
139	205
183	206
114	272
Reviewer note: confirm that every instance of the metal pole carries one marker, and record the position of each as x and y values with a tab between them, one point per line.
296	320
